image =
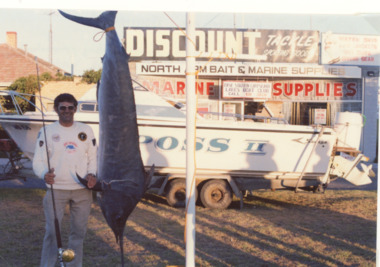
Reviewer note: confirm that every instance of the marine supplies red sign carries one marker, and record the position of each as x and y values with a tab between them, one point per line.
239	89
287	46
317	90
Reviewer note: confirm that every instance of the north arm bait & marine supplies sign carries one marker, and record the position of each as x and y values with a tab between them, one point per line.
177	68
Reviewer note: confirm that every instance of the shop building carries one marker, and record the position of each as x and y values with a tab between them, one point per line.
304	77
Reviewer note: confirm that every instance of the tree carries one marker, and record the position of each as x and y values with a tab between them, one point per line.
29	85
91	76
46	76
24	85
60	77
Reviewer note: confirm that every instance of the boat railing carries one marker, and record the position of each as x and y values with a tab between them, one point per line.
8	97
252	118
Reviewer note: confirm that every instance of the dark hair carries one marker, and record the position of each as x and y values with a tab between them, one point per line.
65	98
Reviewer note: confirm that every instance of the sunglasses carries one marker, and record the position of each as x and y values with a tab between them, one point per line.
63	108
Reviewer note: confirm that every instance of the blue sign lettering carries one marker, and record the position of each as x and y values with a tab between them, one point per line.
171	143
218	145
198	145
255	147
143	139
167	143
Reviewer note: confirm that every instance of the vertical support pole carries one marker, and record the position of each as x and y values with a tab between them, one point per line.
190	140
378	213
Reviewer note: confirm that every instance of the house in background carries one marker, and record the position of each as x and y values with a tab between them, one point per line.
17	63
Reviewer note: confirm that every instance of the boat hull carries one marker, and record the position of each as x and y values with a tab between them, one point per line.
270	151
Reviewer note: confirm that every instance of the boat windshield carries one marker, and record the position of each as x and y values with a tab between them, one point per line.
147	104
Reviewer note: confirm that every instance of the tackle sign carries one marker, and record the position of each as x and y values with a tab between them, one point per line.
287	46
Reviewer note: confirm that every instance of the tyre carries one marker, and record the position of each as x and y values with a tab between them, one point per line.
176	193
216	194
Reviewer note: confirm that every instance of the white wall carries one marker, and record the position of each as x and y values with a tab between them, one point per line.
370	100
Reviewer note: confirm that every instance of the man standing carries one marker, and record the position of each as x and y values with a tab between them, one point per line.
71	148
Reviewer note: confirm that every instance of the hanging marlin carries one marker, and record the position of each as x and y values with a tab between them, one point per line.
121	176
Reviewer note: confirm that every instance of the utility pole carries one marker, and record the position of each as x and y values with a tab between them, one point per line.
190	139
51	39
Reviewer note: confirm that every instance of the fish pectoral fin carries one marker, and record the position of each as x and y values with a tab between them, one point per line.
121	185
97	187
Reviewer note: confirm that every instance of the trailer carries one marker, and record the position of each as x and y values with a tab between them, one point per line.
231	156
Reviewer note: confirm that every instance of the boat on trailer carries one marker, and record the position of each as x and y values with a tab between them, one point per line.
232	156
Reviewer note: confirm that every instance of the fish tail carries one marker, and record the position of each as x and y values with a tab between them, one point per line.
121	250
104	21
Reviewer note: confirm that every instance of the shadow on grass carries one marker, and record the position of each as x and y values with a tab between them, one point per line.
266	232
333	238
328	228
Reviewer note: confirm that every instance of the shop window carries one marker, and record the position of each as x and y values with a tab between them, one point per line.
255	108
311	114
232	108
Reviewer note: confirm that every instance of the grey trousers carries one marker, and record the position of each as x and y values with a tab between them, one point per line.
79	202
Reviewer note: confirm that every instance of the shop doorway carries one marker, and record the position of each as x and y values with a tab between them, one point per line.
311	113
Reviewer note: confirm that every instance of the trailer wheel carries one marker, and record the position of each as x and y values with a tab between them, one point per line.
176	193
216	194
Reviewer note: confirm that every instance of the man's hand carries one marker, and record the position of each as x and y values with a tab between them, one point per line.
91	180
49	176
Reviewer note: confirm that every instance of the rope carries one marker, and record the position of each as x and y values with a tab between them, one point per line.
180	29
112	28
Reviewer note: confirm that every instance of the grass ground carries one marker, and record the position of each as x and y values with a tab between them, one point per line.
281	228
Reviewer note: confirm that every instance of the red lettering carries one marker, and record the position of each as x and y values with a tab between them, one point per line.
210	88
199	88
328	89
338	89
152	86
181	88
308	88
298	88
277	89
168	87
288	91
351	88
317	93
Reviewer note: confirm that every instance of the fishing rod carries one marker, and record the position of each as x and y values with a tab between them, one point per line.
63	255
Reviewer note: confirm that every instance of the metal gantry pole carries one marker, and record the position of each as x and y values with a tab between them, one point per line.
190	140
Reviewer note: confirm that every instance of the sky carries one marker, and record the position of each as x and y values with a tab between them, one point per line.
74	44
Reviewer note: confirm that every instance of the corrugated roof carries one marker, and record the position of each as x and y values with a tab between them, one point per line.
16	63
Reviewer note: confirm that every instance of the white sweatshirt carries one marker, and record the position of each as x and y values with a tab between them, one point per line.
72	151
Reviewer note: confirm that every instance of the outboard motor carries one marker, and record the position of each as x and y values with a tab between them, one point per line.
348	126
